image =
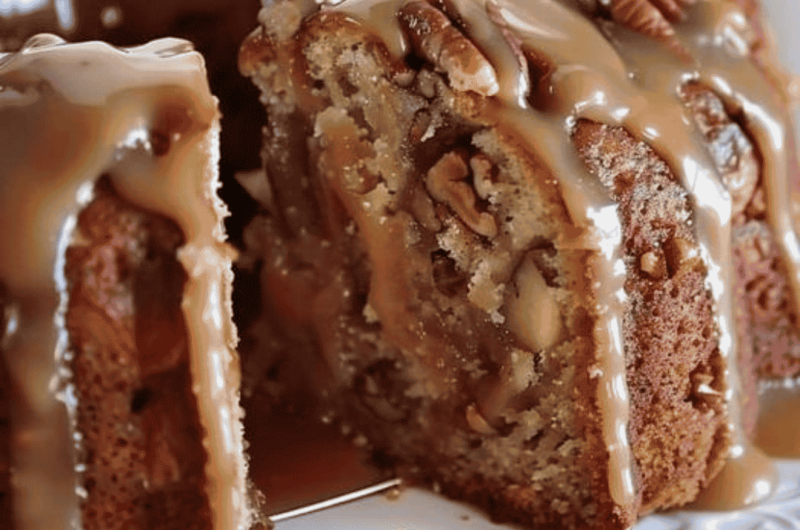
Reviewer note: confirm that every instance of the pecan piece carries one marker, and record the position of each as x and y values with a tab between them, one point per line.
434	38
446	183
650	18
643	17
730	147
673	9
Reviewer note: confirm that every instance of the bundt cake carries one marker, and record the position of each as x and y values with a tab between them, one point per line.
114	259
536	253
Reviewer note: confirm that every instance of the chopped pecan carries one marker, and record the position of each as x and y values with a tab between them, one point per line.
678	253
482	175
446	183
729	146
532	310
478	421
434	38
652	265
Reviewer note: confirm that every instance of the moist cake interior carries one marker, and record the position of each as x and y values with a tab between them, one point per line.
355	249
403	230
135	406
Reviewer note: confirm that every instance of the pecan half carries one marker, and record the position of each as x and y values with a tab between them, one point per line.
650	17
673	9
643	17
434	38
727	143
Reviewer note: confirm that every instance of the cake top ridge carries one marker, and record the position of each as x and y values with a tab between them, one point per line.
166	61
144	82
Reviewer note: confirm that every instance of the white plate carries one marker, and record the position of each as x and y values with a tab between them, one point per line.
416	509
420	510
779	512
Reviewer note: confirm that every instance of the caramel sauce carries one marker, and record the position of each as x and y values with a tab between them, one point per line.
749	476
778	429
615	76
295	461
145	118
78	137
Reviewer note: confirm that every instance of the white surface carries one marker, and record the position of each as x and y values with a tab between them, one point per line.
420	510
779	512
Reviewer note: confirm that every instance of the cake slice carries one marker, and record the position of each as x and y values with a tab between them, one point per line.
125	413
498	242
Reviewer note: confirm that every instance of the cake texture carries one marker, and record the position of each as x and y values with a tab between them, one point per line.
120	403
537	253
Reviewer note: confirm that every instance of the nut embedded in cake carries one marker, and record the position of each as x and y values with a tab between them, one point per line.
496	254
503	240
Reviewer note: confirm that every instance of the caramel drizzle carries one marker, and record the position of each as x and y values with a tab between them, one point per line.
717	37
72	113
589	206
776	436
636	87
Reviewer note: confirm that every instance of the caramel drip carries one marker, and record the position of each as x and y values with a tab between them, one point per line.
589	205
775	434
648	109
381	17
714	42
627	80
144	117
749	476
592	210
746	91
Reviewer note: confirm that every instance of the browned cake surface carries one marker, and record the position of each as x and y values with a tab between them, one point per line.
140	435
766	296
674	372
